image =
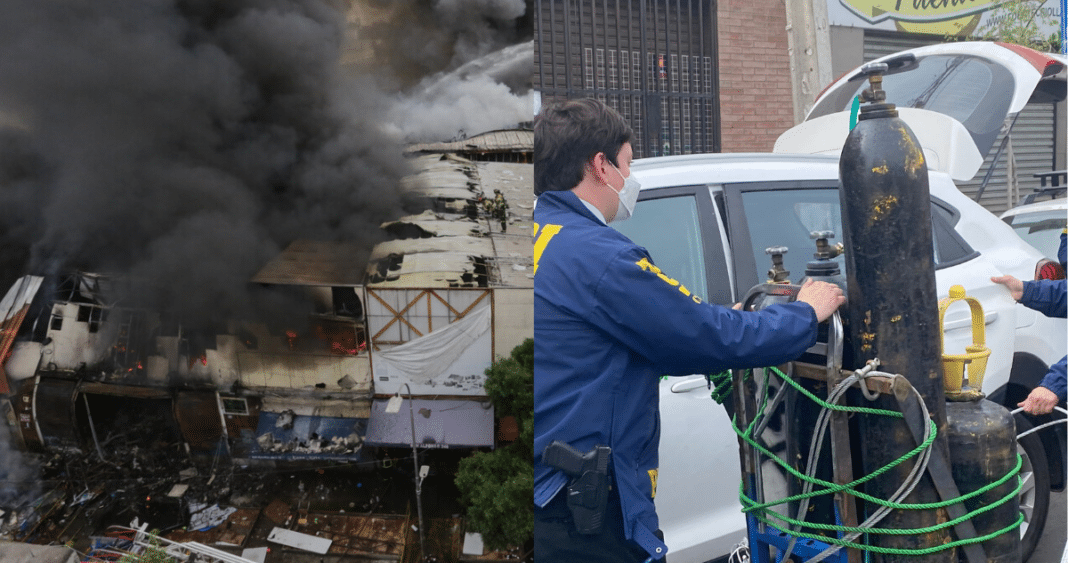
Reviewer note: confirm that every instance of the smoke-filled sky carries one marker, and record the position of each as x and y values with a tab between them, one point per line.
459	65
186	142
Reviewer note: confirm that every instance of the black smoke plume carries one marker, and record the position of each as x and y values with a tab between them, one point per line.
184	142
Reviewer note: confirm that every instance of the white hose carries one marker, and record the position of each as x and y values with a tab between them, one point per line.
822	423
911	481
1040	427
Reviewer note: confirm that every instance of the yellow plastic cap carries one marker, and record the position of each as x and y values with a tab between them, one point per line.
956	292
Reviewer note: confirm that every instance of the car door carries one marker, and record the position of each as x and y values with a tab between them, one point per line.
697	485
761	215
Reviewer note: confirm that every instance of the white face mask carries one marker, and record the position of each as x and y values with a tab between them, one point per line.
628	196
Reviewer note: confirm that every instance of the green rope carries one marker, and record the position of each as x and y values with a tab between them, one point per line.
910	531
925	550
723	384
760	512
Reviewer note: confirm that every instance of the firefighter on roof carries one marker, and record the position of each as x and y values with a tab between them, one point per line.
500	209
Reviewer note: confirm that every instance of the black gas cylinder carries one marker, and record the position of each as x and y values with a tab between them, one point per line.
982	443
892	309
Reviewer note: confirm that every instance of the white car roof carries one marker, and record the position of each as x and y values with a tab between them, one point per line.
1038	207
727	168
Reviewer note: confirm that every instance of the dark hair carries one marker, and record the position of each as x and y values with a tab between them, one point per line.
568	134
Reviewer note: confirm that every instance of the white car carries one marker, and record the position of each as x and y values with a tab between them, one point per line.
1040	224
707	220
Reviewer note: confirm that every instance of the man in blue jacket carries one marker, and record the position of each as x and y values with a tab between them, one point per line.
608	323
1047	297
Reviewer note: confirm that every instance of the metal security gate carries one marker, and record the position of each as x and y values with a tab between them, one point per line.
654	61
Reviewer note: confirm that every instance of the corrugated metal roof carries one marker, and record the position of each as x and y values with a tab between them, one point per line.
424	280
479	246
438	269
506	140
432	224
439	177
319	263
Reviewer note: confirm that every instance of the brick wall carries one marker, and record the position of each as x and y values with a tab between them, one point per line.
756	104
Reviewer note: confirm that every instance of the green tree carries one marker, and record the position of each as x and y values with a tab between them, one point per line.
1021	22
497	486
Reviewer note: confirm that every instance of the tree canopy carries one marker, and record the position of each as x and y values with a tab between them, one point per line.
497	487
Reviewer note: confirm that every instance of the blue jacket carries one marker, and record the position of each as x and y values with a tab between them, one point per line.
1062	252
607	324
1049	298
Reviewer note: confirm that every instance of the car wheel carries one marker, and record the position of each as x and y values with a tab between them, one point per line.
1034	496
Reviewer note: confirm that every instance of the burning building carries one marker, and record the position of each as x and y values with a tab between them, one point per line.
425	316
198	190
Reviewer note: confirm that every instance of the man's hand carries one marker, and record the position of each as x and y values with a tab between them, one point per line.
824	297
1040	401
1015	286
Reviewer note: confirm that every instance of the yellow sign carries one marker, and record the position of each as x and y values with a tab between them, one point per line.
918	11
941	17
960	27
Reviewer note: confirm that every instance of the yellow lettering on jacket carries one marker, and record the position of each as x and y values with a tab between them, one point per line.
546	234
652	479
648	266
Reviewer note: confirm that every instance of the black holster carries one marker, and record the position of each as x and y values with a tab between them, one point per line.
587	491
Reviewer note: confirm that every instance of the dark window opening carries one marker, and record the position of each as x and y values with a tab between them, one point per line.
124	422
248	339
235	406
339	337
481	271
57	320
92	315
346	302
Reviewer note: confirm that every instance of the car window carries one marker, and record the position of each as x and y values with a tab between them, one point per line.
949	247
787	217
969	89
1041	229
669	228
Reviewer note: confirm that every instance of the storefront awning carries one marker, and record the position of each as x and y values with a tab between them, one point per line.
439	423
